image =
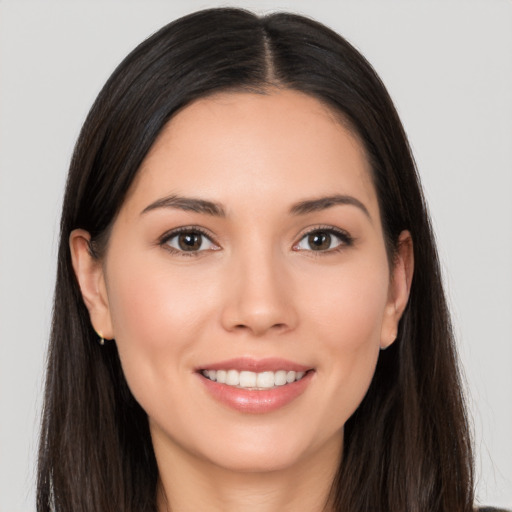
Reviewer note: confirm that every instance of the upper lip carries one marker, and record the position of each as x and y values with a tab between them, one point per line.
272	364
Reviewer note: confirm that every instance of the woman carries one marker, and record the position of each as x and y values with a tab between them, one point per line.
244	226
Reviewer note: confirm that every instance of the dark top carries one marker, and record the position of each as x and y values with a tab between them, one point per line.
491	509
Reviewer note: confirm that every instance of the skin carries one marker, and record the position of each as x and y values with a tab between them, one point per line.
258	289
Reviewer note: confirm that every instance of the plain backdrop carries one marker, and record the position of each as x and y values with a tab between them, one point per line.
448	66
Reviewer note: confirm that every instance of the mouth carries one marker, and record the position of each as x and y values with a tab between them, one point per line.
256	386
254	380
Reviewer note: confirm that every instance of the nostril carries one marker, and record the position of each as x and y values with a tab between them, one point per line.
273	326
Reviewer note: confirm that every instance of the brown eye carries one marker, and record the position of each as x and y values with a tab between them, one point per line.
319	241
189	241
323	240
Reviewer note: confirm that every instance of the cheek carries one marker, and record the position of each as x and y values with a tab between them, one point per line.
348	319
349	304
156	315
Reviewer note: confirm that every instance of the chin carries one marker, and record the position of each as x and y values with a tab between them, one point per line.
270	451
255	460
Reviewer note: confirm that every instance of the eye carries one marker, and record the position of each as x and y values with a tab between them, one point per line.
190	240
323	240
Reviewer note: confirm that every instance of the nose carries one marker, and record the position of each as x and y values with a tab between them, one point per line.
259	296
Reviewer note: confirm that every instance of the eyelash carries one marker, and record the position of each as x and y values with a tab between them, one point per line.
346	240
169	235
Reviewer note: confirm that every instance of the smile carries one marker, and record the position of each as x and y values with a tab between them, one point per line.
255	386
252	380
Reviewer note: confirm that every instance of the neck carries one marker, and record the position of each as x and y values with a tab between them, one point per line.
187	484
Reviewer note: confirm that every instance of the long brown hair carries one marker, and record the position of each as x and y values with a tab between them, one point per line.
407	447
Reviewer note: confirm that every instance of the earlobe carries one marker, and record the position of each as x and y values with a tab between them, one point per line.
400	287
90	276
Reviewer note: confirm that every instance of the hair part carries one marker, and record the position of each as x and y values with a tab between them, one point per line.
407	447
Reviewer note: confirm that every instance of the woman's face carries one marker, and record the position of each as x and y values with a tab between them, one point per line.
249	250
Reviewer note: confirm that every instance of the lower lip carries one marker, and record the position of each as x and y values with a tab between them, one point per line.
257	402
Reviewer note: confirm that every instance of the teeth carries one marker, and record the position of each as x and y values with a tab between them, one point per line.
247	380
265	380
252	380
280	378
232	378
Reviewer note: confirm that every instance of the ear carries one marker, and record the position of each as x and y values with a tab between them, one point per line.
399	289
90	276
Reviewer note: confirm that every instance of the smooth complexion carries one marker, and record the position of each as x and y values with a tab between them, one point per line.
227	252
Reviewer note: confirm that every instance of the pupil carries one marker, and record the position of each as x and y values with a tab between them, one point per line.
189	241
319	241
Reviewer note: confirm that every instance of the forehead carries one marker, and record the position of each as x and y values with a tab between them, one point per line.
282	144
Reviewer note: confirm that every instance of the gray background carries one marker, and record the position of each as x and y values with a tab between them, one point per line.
448	66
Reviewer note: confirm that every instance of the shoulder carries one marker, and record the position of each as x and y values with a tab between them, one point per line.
490	509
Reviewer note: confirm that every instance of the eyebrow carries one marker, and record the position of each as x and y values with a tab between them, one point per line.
215	209
322	203
190	204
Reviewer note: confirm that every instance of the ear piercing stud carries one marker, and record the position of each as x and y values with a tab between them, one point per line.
101	339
